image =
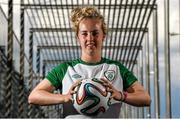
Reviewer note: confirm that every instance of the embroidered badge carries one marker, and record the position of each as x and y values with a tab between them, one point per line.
76	76
109	74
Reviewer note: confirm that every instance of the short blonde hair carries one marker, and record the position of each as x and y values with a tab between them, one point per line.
79	14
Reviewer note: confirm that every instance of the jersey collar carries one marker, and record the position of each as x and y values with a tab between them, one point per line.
87	63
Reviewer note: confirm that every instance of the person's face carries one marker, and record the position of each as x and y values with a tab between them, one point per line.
90	36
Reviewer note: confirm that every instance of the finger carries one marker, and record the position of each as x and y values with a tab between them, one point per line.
76	84
104	80
109	90
108	85
72	99
72	92
113	95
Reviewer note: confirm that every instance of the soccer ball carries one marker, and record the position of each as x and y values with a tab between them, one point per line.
91	98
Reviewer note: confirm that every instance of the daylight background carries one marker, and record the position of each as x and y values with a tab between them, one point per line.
174	51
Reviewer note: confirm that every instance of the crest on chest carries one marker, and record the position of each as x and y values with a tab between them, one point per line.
110	75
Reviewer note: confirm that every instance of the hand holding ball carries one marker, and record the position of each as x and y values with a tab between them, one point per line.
91	98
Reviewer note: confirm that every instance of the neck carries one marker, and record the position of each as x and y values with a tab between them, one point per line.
91	59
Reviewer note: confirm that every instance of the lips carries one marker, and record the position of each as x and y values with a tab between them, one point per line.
92	44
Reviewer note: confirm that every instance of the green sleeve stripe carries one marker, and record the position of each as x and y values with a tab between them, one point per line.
127	76
56	75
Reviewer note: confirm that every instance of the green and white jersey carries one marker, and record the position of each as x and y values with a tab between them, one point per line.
65	74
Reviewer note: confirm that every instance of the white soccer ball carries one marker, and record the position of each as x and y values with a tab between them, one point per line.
91	98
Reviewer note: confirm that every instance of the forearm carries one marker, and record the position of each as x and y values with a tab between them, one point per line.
140	98
42	97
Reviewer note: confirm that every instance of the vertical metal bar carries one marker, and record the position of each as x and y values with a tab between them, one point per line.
148	109
167	60
132	112
20	87
44	70
156	64
8	81
4	67
139	78
30	110
179	33
129	111
142	79
38	63
126	111
137	74
30	59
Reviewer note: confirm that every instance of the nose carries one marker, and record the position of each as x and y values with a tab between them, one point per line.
90	37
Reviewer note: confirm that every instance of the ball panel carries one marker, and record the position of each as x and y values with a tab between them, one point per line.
91	98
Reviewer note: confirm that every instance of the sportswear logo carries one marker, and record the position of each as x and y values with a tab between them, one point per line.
109	74
76	76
